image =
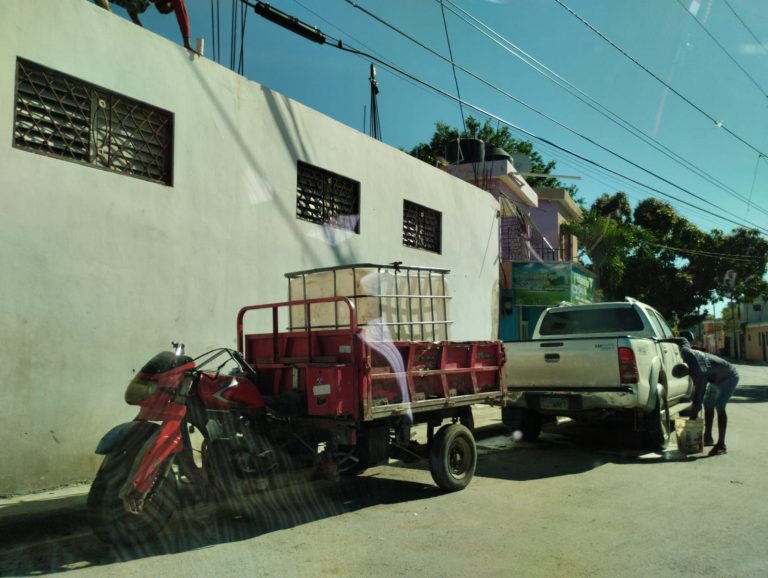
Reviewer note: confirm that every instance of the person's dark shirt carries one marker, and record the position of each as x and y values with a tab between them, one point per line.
705	368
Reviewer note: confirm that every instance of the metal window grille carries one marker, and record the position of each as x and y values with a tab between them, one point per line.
421	227
327	198
522	241
59	115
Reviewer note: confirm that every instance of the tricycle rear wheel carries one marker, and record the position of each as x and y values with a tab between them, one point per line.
453	457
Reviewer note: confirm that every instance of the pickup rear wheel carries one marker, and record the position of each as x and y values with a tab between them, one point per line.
657	422
453	457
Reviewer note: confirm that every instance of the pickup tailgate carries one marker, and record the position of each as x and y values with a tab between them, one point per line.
570	364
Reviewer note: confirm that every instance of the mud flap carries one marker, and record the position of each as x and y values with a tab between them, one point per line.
132	431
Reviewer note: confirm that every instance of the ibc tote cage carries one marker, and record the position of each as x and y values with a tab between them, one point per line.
391	301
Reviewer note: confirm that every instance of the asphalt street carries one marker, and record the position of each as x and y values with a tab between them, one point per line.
578	502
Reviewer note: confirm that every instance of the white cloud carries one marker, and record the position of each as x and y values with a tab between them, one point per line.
753	48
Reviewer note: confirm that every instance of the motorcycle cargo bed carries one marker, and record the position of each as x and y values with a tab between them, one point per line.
344	374
423	376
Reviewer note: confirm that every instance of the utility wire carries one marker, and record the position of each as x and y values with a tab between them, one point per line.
717	42
754	180
336	43
565	84
620	184
243	20
716	122
213	31
233	36
744	24
218	30
453	66
537	111
615	183
357	40
531	135
710	254
553	76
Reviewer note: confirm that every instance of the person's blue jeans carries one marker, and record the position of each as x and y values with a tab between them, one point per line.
718	394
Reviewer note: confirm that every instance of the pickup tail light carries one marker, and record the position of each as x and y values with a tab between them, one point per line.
628	366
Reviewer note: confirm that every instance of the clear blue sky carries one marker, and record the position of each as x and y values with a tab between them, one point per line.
727	83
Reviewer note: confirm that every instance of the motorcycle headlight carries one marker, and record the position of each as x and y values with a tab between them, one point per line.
139	389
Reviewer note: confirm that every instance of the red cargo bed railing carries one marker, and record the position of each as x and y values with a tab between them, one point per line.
378	378
306	340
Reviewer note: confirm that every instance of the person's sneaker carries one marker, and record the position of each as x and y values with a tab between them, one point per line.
718	450
708	442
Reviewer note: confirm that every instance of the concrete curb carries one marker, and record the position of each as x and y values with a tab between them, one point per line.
24	509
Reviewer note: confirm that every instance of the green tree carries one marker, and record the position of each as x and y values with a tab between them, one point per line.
740	278
493	136
606	236
659	270
661	258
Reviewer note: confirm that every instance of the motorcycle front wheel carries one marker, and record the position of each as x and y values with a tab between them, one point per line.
110	521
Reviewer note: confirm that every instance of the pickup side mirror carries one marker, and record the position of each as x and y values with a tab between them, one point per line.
680	370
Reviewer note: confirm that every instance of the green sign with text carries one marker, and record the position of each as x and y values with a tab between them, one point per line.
548	284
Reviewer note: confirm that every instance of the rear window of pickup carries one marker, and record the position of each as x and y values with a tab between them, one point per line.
577	321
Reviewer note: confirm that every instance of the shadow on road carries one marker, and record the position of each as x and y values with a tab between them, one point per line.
570	448
64	541
750	394
46	544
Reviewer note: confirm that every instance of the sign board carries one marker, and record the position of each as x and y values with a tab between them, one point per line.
548	284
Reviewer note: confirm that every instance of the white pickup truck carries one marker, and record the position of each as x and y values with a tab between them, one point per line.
595	361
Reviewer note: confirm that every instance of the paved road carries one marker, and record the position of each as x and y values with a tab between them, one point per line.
576	503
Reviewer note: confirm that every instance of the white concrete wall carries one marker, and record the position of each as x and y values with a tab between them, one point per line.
99	271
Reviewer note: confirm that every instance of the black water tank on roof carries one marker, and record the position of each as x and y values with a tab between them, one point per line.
465	150
497	154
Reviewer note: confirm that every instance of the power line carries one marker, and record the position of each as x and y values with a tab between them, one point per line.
233	36
357	40
453	66
531	135
716	122
717	42
318	36
213	32
620	184
710	254
537	111
744	24
565	84
243	20
754	180
218	30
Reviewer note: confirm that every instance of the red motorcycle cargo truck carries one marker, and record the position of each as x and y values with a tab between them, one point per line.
314	401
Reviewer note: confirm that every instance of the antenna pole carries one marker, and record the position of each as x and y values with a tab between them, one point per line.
374	124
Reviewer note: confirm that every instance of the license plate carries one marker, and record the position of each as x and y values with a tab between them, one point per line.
554	403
